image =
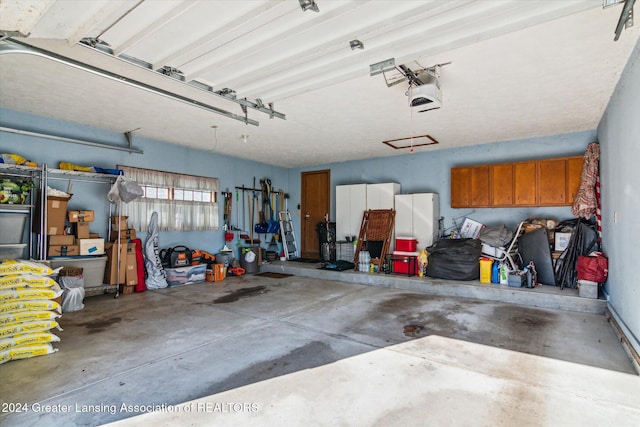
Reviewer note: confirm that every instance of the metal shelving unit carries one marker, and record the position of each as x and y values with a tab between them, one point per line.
69	176
16	218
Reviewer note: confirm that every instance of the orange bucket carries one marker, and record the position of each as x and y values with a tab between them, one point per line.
208	275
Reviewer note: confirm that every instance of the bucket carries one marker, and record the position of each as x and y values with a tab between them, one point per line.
224	258
208	275
249	260
485	270
219	272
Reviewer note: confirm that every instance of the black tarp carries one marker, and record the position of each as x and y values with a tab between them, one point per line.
455	259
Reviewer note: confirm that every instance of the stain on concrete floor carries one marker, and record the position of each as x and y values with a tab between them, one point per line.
100	325
310	355
241	293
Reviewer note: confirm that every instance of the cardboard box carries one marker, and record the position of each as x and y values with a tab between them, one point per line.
119	222
62	240
80	216
127	289
562	241
111	276
63	250
82	230
126	234
94	235
131	276
56	215
91	246
470	229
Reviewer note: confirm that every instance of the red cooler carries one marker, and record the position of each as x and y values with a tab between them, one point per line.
403	261
406	244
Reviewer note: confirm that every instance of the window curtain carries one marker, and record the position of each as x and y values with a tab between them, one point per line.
173	215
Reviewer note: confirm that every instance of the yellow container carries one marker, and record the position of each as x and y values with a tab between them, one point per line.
485	270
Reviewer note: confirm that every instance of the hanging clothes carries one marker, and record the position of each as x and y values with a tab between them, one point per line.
586	202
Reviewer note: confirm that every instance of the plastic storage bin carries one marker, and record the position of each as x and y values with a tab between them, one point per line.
186	275
588	289
92	268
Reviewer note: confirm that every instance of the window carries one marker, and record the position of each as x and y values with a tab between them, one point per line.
183	202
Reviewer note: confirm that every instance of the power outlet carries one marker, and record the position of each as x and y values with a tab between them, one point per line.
615	217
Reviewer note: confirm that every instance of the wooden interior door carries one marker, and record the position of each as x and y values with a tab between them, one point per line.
315	203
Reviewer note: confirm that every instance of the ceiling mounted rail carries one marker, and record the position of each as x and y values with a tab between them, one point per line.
128	149
102	47
9	46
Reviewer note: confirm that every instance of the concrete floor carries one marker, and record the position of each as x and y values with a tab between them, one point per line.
299	350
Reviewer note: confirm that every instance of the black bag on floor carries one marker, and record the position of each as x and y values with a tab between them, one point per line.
179	256
455	259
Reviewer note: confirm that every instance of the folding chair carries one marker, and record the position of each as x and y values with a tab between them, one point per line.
510	254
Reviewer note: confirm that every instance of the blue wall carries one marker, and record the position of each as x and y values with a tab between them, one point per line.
430	172
157	155
619	135
418	172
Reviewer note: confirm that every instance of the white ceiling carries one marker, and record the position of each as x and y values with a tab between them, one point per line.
518	69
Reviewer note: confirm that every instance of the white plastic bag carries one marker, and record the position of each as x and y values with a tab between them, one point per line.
72	299
124	190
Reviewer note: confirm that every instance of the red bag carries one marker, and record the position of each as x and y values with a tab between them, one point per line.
141	286
594	267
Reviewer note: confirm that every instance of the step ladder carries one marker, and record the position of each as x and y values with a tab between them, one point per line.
289	244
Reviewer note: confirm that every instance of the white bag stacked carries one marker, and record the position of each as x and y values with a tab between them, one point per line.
28	311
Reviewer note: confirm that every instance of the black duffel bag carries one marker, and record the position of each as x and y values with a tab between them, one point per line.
178	256
455	259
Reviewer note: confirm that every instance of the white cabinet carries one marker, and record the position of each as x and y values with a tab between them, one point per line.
381	196
417	216
351	202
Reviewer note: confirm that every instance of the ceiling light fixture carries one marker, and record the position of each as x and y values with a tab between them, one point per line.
356	44
309	5
245	138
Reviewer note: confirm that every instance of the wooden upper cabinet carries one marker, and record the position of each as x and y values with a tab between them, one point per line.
502	184
551	182
524	183
480	186
574	175
460	187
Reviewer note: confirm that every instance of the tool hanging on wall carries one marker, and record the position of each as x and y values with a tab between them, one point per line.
238	228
